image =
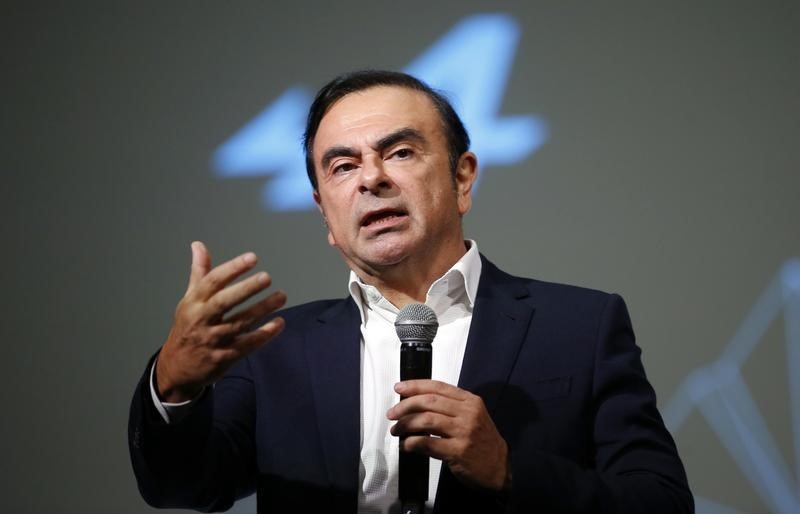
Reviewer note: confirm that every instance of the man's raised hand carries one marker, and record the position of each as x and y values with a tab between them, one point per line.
205	340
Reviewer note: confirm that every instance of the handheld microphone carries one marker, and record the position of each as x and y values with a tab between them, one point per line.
416	326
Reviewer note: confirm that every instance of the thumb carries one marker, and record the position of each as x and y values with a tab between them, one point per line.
201	262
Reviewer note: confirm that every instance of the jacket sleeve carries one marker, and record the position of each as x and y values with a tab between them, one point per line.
636	466
206	460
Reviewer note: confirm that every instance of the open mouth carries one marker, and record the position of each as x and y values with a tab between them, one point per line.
382	217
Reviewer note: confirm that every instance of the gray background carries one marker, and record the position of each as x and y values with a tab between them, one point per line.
670	176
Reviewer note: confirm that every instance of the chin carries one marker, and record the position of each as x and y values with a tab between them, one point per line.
386	253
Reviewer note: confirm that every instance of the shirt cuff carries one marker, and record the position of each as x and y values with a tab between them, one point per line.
170	412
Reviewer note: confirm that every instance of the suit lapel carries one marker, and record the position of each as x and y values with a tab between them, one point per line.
500	322
499	325
334	358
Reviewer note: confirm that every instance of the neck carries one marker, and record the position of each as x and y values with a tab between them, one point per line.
409	281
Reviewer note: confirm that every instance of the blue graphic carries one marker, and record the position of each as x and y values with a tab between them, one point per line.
471	63
270	145
718	391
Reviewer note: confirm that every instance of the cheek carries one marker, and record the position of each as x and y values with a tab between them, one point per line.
441	198
335	226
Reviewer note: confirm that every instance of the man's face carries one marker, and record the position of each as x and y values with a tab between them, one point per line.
384	181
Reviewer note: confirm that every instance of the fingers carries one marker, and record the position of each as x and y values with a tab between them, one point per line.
251	341
237	293
453	425
415	387
203	342
201	262
431	396
436	447
431	408
481	463
241	323
425	403
231	345
428	423
216	279
257	311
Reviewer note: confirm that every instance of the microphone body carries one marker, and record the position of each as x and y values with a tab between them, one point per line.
415	363
416	327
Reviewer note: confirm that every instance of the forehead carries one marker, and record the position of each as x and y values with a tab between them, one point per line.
372	113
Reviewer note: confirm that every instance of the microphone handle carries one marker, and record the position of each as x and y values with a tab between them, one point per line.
415	363
415	360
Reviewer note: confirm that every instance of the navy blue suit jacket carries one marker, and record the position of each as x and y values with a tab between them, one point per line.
556	366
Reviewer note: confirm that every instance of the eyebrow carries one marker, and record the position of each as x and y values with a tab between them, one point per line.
334	152
403	134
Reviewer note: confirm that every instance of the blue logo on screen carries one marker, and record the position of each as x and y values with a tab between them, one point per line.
471	63
720	393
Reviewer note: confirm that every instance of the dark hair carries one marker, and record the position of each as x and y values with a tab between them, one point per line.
343	85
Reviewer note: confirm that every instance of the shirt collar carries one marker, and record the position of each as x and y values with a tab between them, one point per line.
463	276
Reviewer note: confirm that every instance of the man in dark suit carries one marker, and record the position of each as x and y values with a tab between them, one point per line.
552	411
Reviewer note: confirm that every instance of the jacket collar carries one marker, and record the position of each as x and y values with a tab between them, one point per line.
499	326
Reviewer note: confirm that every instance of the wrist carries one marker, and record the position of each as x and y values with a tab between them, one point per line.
166	389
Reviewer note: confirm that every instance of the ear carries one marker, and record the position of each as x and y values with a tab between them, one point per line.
466	174
318	201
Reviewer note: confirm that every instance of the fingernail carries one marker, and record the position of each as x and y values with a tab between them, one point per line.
249	258
400	387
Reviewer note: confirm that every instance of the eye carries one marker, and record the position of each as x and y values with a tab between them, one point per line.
343	168
403	153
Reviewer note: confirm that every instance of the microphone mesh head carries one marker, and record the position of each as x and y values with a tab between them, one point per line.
416	322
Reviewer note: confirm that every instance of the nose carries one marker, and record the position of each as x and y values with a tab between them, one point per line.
374	178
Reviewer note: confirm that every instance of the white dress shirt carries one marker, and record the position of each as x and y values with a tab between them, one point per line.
452	298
